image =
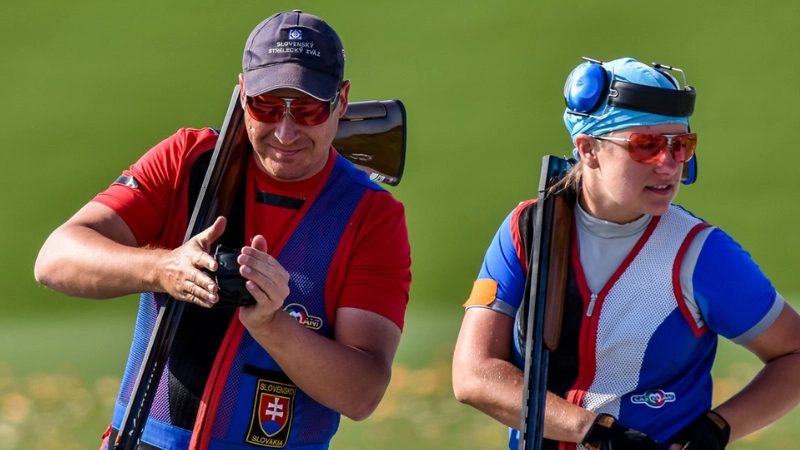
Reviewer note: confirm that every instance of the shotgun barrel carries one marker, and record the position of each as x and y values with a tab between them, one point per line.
544	295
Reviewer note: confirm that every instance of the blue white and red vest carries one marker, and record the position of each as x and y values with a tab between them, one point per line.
638	346
616	343
635	349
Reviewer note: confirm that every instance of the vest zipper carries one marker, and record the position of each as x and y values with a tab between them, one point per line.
590	309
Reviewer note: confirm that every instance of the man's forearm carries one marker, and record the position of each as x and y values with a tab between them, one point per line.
80	262
343	378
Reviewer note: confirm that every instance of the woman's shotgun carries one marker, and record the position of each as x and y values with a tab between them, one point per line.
372	134
543	300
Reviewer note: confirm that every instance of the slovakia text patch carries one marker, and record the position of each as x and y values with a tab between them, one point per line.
272	414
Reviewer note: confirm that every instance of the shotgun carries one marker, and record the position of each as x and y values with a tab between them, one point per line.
372	134
543	300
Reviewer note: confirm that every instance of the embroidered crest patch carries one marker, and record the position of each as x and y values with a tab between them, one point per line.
272	414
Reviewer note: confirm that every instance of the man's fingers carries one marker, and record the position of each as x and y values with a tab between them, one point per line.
212	233
259	243
267	275
254	264
198	293
255	259
205	239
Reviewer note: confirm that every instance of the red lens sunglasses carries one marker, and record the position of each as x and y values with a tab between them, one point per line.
305	111
648	148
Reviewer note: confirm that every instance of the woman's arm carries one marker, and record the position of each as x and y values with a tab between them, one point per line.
484	377
775	390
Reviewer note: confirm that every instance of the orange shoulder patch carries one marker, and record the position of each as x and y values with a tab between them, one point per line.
484	292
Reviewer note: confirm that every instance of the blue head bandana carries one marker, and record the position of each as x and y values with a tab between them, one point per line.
610	118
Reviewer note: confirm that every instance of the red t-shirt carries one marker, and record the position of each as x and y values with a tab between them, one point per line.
370	269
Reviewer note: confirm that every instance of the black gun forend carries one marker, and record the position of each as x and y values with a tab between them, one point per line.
232	290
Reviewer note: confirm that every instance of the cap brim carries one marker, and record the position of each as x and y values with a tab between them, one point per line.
294	76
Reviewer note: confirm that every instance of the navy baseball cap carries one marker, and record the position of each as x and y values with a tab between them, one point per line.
293	50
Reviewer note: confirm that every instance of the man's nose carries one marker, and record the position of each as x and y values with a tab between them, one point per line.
286	128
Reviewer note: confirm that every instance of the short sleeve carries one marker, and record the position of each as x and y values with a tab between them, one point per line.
736	299
378	271
501	280
146	194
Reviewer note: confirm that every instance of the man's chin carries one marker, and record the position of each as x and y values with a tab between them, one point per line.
286	172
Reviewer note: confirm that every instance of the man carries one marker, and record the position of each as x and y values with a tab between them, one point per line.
328	264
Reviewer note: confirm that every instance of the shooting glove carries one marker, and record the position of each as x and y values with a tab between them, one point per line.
607	434
708	432
232	291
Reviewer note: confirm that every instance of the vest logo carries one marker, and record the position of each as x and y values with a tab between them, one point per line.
300	313
273	408
654	399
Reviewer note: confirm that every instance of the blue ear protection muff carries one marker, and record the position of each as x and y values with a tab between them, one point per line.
689	174
586	88
589	90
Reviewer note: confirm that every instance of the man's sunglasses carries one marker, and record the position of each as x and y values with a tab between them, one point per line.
648	148
305	111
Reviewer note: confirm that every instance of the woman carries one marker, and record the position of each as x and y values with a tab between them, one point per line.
650	287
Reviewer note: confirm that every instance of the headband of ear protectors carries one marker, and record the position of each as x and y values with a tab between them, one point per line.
592	88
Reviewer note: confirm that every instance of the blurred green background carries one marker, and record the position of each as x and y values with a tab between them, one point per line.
89	86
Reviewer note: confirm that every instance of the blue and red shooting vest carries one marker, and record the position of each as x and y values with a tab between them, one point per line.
220	389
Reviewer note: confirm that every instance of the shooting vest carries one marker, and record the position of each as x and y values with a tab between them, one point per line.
220	388
600	363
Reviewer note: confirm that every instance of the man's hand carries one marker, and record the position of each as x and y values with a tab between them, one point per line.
708	432
607	434
180	271
267	281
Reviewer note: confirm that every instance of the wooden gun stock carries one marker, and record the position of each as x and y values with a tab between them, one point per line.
557	273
